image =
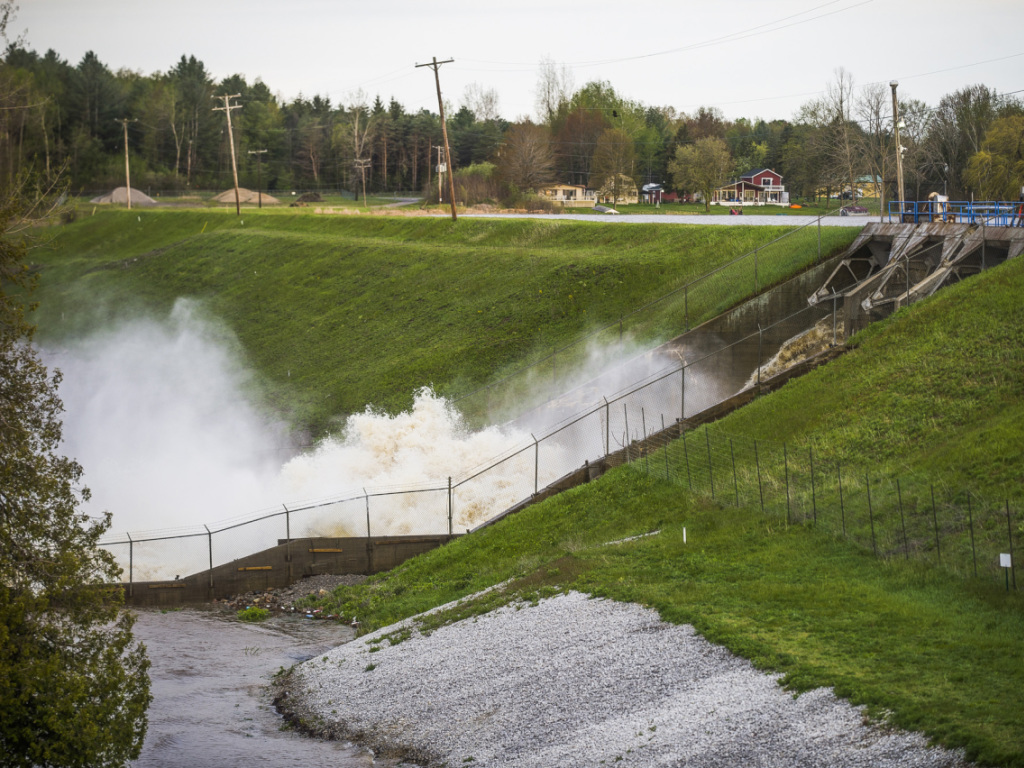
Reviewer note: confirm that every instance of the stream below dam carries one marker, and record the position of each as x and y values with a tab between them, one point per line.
211	703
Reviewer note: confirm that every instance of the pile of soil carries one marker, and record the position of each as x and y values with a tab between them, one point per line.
120	195
309	197
246	196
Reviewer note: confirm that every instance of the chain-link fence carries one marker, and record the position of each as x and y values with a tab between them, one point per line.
604	420
908	517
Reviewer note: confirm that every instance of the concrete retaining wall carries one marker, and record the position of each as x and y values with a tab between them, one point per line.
283	565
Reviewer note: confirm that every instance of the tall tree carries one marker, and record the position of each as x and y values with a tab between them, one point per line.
701	167
74	686
614	163
957	130
525	160
997	170
194	117
554	88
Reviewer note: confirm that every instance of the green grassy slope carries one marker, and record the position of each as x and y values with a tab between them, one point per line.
337	312
922	648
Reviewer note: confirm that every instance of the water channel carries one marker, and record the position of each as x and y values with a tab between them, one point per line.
211	704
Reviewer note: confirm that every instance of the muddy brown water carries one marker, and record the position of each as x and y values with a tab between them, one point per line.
211	702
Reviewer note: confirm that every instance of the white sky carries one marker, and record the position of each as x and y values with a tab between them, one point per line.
750	58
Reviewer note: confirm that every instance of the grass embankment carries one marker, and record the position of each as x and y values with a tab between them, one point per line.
335	313
936	387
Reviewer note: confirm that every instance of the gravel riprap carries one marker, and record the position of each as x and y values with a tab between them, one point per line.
575	681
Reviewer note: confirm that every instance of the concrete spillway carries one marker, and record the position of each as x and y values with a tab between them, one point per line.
891	265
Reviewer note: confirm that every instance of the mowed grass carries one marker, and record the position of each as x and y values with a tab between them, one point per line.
919	647
339	312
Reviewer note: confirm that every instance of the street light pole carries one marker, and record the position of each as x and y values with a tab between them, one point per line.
899	147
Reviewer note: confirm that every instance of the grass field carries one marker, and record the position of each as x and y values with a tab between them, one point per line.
337	312
920	647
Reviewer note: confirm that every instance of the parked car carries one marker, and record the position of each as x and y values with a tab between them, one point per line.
853	210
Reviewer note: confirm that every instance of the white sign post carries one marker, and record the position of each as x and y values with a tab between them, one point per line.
1006	562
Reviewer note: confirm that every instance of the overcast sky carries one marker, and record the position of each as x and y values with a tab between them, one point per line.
750	58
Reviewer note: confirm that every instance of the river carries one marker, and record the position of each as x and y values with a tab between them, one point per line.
211	705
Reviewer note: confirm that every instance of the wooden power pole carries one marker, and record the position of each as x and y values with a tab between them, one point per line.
127	174
226	109
436	65
259	175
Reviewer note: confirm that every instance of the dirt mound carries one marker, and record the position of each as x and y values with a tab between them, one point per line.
246	196
310	197
120	195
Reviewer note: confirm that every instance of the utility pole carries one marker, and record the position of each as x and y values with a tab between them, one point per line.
899	146
259	175
440	169
436	65
127	175
226	109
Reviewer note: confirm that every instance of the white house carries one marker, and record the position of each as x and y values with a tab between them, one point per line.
570	195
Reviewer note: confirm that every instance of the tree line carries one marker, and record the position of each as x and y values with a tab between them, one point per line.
70	116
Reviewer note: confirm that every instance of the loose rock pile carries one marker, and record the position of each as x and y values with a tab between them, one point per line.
283	599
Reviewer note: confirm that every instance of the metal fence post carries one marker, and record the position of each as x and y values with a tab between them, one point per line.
935	520
449	505
625	438
607	428
814	494
789	507
536	465
366	496
682	384
760	338
819	238
735	482
871	515
711	476
842	505
903	521
760	488
209	538
1009	534
643	443
970	523
287	533
131	566
666	447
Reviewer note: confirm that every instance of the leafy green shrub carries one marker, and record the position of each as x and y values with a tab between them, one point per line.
253	613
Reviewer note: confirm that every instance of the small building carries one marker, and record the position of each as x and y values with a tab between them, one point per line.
619	188
761	187
652	193
570	195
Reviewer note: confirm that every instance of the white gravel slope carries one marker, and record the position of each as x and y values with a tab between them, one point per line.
575	681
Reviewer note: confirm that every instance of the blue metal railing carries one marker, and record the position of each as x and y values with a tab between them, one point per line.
992	213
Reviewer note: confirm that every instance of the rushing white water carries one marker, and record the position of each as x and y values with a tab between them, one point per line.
158	415
155	412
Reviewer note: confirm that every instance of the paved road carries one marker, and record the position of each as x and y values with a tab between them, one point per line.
752	220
